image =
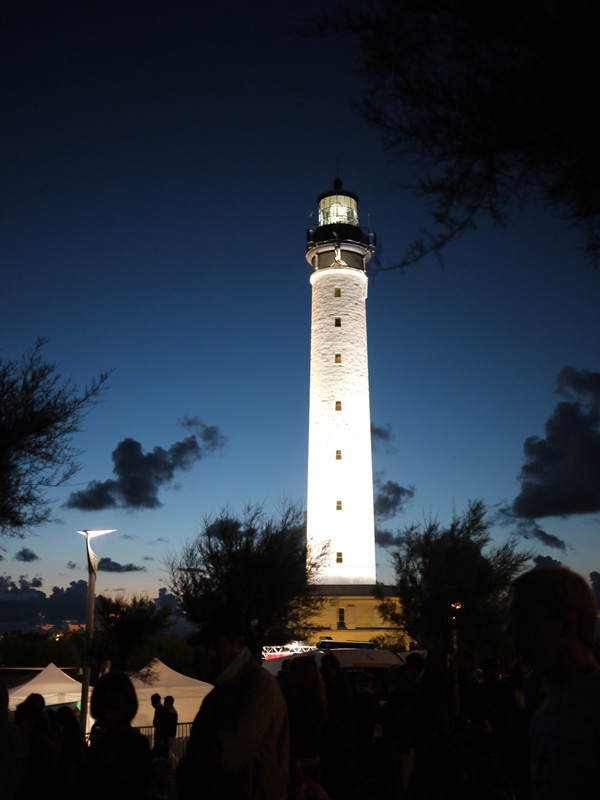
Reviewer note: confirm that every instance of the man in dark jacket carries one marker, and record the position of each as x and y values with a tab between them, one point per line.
239	743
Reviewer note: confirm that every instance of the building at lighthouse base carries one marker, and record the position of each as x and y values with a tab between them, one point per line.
349	612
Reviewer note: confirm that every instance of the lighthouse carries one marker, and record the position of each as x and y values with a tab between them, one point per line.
340	473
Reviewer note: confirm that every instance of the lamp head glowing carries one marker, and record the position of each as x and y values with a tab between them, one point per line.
96	533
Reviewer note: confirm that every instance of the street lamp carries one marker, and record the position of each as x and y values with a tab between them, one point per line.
456	607
92	560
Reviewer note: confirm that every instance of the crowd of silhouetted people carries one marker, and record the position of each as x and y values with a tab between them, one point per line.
342	742
442	733
44	754
446	730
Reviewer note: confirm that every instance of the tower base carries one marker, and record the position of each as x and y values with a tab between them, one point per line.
350	612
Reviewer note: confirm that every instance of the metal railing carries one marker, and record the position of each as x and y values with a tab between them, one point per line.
178	743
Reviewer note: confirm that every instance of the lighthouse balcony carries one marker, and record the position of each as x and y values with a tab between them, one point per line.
339	232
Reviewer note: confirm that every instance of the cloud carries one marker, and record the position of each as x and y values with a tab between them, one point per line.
160	540
529	529
72	565
1	557
148	558
546	561
19	602
128	536
140	475
66	604
24	606
210	435
179	624
167	600
390	498
108	565
561	473
387	539
25	554
381	435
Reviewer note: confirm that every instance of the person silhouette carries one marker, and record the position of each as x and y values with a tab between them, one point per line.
120	763
552	622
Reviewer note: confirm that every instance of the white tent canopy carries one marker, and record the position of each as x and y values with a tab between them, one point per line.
52	683
188	693
57	687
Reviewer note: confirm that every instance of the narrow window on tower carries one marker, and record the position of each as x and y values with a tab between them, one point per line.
337	292
338	358
339	558
338	322
341	618
338	405
338	455
338	505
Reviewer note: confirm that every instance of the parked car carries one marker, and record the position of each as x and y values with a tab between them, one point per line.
353	661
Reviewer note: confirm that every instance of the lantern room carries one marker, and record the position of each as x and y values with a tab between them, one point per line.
338	206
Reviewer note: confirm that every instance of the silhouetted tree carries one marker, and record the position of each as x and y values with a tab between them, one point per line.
493	102
40	649
39	415
255	567
125	624
449	580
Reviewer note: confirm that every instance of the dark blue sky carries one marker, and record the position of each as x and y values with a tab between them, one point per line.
160	164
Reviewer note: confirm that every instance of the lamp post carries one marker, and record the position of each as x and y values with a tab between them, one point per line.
456	607
92	560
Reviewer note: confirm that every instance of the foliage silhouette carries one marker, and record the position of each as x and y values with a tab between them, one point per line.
255	568
39	415
451	583
492	101
125	624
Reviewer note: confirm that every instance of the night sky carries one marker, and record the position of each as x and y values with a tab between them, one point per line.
160	163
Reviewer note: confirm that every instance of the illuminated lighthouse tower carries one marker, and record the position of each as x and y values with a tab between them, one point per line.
340	473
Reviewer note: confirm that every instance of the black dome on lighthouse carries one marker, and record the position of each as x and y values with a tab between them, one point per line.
337	189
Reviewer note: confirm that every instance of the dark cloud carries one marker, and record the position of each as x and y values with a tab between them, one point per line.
561	473
148	558
390	498
67	604
139	475
25	554
211	437
387	539
575	384
546	561
20	604
72	565
108	565
167	600
529	529
1	557
381	436
160	540
179	624
595	581
128	536
23	606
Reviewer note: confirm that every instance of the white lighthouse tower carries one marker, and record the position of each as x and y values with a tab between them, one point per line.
340	473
